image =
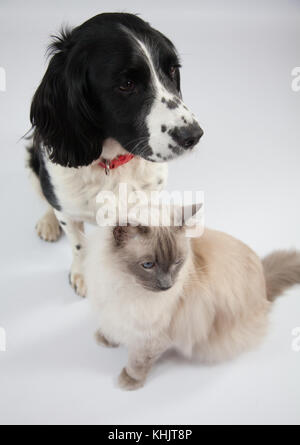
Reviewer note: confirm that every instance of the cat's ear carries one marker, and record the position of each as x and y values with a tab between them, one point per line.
192	220
122	234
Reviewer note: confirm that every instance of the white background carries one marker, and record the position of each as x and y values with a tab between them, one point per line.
237	59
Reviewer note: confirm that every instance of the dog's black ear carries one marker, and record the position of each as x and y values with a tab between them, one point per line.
62	112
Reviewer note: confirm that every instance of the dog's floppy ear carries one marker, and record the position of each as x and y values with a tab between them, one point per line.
62	113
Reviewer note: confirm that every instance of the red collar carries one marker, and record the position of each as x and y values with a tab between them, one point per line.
116	162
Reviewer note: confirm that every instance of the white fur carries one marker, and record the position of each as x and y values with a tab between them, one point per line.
125	310
47	227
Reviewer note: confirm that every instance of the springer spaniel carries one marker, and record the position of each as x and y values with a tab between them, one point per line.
107	111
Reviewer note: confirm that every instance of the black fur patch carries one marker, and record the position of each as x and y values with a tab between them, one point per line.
33	161
171	104
46	184
175	149
37	165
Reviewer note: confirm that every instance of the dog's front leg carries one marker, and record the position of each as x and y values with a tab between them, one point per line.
47	227
75	234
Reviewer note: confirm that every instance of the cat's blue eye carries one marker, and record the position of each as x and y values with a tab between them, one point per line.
148	265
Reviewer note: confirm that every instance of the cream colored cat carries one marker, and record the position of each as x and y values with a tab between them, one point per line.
153	289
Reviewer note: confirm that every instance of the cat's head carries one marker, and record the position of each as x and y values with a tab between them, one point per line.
154	255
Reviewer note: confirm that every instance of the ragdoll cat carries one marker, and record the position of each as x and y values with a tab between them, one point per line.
153	289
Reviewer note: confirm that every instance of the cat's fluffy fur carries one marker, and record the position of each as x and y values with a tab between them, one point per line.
217	308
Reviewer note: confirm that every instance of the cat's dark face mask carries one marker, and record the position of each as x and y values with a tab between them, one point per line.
153	255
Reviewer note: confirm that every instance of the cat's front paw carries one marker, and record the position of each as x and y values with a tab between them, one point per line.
77	282
102	340
128	383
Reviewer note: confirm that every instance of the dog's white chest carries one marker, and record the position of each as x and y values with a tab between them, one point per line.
77	188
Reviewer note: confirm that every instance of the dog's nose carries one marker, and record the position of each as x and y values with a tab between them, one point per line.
187	136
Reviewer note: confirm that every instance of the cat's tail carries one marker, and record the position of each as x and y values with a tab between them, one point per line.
282	270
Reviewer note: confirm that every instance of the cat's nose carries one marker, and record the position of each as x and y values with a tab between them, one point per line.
165	287
165	282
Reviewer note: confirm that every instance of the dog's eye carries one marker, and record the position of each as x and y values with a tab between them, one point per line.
127	87
172	70
148	265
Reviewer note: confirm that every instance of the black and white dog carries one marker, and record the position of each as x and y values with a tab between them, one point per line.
111	90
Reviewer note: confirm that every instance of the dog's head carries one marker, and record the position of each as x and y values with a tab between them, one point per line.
112	77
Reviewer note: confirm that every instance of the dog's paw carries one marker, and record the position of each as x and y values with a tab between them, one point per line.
101	340
77	282
129	383
48	228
